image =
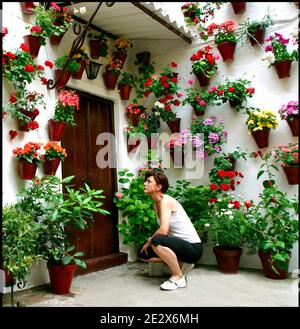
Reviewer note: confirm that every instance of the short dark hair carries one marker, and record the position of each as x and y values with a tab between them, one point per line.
160	178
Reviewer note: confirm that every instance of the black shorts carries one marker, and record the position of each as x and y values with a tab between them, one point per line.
185	251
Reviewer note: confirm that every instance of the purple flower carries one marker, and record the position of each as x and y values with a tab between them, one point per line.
200	154
222	121
217	149
268	48
208	122
225	133
213	138
184	136
270	38
196	141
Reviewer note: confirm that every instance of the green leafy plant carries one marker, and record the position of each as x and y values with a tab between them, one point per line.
72	66
164	111
139	218
288	154
128	79
145	72
222	32
204	62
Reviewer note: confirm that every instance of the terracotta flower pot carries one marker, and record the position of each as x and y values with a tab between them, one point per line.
31	115
50	166
258	36
203	80
228	259
27	8
261	137
294	125
174	125
283	68
190	14
125	91
177	157
61	277
232	161
132	146
54	39
292	174
197	112
26	169
134	118
33	43
62	82
120	56
143	57
94	48
56	129
227	49
238	7
110	80
78	75
234	103
267	267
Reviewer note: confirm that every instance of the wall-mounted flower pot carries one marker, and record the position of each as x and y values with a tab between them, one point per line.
94	48
197	112
174	125
134	118
228	259
152	142
78	75
61	277
238	7
227	49
232	160
190	14
110	80
283	68
125	91
294	125
234	103
56	129
177	156
28	8
64	79
258	36
267	267
26	169
261	137
132	147
203	79
143	57
120	56
292	174
50	166
31	115
33	43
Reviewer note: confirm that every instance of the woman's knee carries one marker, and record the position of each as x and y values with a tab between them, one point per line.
157	240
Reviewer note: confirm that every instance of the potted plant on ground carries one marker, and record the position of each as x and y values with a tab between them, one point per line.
98	45
204	65
127	81
290	113
28	159
64	112
112	73
288	155
225	38
121	48
52	157
83	59
63	70
279	56
259	123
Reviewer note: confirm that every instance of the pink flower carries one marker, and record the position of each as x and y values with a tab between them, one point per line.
179	95
173	64
119	195
55	6
190	81
202	103
36	28
4	31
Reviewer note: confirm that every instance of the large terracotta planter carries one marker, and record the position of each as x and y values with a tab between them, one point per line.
33	43
110	80
56	129
292	174
267	267
132	147
120	56
177	157
26	169
28	8
78	75
64	79
283	68
174	125
261	137
61	277
257	36
227	49
238	7
228	259
125	91
203	79
50	166
294	125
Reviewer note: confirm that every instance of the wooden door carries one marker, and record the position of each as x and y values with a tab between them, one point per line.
99	243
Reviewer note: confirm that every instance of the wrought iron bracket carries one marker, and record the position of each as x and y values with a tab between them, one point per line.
76	45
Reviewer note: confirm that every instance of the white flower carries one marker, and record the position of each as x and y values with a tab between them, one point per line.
206	225
230	205
228	212
269	57
80	10
159	105
231	217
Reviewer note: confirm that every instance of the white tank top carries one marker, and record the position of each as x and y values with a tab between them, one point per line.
181	225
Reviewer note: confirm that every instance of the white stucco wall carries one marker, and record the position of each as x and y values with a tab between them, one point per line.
270	93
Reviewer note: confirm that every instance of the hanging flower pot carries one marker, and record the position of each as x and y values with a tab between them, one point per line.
227	49
135	142
50	166
261	137
78	75
64	79
197	112
203	79
232	161
33	43
110	80
177	156
190	14
56	39
292	174
283	68
95	48
133	118
294	125
143	57
56	129
238	7
228	259
26	169
120	56
234	103
31	115
61	277
174	125
152	142
28	8
267	267
258	36
125	91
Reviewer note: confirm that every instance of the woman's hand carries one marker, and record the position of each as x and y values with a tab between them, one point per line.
146	246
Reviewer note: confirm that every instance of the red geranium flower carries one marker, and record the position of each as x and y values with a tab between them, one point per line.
29	68
213	187
4	31
173	64
13	98
24	47
49	64
13	134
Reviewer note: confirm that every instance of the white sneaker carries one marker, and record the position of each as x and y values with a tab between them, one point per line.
172	285
186	268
